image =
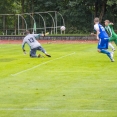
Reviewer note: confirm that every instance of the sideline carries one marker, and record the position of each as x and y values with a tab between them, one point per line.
59	110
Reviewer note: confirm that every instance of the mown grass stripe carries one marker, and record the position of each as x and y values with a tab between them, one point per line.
42	64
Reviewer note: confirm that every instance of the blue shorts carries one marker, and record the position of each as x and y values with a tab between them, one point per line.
103	43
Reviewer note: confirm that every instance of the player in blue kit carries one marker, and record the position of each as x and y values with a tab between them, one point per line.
103	38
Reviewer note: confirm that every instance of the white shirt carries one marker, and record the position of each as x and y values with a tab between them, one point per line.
30	39
96	27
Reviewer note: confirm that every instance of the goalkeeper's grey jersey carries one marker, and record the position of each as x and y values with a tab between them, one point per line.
30	39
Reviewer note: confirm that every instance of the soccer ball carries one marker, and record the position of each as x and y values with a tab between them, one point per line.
62	28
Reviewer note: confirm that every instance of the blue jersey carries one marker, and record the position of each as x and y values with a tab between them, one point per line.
103	34
103	38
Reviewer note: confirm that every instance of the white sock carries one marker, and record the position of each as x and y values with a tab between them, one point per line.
111	45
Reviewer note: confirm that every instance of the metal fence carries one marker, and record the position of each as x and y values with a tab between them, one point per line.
37	22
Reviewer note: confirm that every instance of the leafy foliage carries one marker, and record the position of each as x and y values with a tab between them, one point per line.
78	14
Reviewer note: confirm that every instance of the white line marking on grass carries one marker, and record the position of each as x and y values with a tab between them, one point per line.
93	110
74	71
24	109
111	80
42	64
59	110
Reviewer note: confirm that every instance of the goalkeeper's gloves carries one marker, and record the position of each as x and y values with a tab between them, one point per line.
24	51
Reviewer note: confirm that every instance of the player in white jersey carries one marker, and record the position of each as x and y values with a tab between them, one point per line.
30	39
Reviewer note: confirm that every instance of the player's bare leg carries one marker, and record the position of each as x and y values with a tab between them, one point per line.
110	44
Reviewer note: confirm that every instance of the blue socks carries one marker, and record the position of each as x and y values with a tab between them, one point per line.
106	52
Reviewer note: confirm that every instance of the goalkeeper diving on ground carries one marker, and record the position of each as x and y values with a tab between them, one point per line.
31	40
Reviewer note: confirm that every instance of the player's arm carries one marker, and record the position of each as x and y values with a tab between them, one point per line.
38	35
93	34
97	34
23	46
96	27
111	23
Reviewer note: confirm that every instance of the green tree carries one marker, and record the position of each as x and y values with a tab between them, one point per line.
78	14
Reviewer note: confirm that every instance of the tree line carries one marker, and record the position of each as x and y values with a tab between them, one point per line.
78	14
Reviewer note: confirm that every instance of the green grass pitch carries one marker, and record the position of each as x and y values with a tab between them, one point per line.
76	81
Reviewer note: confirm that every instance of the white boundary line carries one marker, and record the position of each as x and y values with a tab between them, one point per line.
41	64
72	71
67	110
